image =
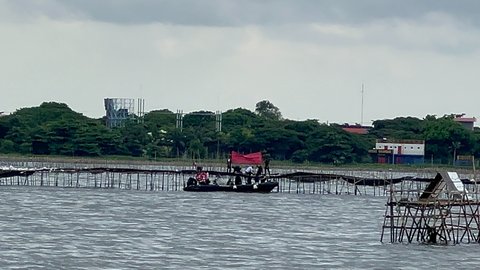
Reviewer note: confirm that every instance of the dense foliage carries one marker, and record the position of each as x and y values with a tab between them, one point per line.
54	129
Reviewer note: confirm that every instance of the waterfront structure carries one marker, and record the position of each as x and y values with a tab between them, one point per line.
157	177
398	151
444	213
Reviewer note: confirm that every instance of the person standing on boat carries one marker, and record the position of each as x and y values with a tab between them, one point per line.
259	173
237	171
249	172
202	177
267	164
229	164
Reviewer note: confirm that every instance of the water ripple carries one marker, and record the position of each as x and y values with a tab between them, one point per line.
49	228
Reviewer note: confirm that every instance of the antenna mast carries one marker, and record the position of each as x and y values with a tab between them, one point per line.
361	120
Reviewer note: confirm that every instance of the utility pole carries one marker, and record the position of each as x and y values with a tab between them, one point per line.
361	120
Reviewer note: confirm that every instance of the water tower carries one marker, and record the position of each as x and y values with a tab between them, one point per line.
118	110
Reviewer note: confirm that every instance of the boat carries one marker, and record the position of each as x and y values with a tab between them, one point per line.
201	183
265	187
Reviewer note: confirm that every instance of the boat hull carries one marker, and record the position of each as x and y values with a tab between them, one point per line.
266	187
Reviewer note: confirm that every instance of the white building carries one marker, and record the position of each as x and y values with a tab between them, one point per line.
402	147
399	151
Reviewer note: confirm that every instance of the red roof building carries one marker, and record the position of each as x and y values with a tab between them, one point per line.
356	129
467	122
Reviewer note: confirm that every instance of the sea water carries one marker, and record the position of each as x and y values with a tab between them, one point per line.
54	228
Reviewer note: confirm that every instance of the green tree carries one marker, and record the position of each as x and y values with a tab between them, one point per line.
134	138
7	146
243	140
330	144
177	141
159	121
401	128
196	149
238	118
476	141
445	138
267	110
280	143
300	156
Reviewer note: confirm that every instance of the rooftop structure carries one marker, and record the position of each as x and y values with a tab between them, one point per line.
399	151
356	129
467	122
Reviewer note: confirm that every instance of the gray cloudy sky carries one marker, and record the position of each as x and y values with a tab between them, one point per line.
308	57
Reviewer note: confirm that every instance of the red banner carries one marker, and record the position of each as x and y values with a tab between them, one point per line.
252	159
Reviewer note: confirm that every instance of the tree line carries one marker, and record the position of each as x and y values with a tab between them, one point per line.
54	129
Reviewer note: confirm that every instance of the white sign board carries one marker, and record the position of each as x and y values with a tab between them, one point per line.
456	181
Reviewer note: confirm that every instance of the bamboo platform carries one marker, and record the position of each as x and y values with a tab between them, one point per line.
447	211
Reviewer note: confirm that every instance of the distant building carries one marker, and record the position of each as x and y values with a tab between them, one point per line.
467	122
464	160
399	151
118	110
356	129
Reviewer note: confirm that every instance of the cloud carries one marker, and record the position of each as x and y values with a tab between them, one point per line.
242	12
307	57
439	25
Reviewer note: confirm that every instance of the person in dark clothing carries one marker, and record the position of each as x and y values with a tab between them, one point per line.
259	173
191	182
249	172
267	165
432	235
238	180
229	164
237	171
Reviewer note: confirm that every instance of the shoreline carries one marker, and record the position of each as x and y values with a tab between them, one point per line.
118	161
